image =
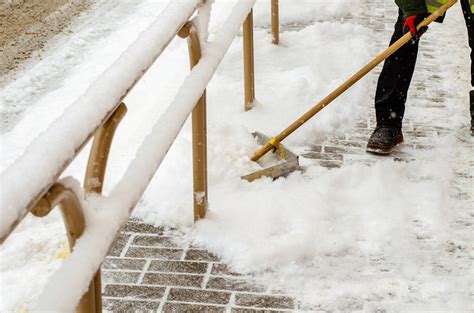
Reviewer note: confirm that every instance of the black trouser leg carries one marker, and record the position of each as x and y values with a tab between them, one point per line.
394	80
469	18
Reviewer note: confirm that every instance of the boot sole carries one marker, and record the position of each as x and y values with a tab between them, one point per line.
381	150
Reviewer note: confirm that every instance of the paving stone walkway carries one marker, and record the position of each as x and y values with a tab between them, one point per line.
149	270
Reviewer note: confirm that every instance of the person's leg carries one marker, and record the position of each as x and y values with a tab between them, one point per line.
394	81
391	94
469	18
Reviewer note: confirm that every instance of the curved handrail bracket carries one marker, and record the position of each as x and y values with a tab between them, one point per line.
98	157
71	209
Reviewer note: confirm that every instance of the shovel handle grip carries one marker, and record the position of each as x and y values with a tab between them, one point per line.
352	80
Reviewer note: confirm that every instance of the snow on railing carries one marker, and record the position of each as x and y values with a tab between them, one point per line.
93	223
57	146
105	215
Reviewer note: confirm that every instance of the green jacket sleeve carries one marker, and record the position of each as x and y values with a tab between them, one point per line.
411	7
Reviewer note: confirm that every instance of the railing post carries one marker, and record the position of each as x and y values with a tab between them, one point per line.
275	22
249	79
94	182
199	125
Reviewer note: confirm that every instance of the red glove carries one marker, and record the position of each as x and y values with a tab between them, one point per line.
410	25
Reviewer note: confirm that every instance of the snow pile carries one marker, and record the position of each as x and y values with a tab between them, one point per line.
310	218
306	11
301	65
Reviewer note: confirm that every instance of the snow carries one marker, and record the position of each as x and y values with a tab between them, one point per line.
347	233
57	145
111	214
276	100
304	231
306	11
27	259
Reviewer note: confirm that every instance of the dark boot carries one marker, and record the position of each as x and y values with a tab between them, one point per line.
384	139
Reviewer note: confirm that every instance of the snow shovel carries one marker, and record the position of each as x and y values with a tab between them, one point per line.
287	162
275	142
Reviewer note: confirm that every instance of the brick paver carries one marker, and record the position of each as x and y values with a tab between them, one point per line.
147	270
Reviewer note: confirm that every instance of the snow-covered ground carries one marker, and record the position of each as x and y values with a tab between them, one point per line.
336	238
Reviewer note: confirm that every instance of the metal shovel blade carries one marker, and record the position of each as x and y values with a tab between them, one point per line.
282	169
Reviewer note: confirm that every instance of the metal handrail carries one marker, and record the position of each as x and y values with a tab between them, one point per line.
94	90
56	193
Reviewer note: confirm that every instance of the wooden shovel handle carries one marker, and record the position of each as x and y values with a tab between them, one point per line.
351	81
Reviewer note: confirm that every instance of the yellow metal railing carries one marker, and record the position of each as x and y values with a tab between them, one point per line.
70	201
